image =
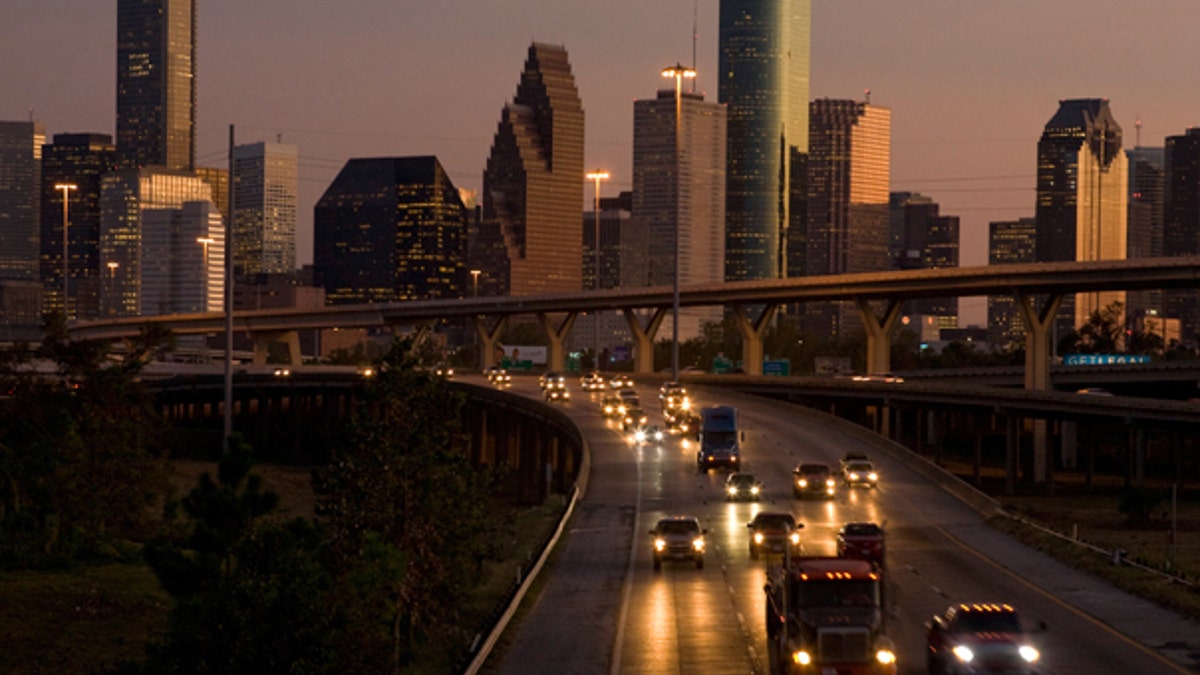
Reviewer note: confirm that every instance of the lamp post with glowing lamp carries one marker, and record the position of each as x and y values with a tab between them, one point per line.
66	190
597	175
679	72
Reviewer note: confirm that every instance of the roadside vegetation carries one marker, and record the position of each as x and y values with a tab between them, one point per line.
393	559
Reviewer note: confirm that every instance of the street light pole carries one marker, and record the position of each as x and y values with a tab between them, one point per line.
475	329
677	71
66	190
597	175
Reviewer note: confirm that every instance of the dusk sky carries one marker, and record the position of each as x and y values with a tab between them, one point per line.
970	82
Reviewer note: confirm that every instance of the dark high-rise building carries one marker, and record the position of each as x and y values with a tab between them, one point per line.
264	233
1081	197
20	198
1009	242
529	240
390	229
921	238
1144	238
156	83
763	78
1181	224
849	167
79	160
624	260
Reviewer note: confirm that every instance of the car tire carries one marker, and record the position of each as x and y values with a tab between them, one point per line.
657	565
753	553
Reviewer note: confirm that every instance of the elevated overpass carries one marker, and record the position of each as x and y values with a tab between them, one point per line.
1037	287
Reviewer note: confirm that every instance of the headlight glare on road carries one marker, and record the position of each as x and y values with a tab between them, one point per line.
964	654
1029	653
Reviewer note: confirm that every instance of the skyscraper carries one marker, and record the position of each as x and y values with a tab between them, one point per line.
141	235
921	238
681	194
529	240
849	168
156	83
1181	224
20	198
1144	229
1081	197
389	229
264	227
79	160
763	78
1009	242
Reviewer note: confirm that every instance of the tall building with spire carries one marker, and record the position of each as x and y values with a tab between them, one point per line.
763	78
528	240
156	83
679	195
849	172
264	226
1082	197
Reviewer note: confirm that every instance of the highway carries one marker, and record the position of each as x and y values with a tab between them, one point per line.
602	608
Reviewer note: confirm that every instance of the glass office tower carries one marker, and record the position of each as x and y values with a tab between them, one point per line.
763	78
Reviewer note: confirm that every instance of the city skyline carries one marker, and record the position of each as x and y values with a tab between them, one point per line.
429	80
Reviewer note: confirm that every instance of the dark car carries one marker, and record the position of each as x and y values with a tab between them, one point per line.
612	407
649	433
863	541
974	638
860	474
620	382
592	382
851	457
774	532
742	486
812	479
678	538
634	418
556	391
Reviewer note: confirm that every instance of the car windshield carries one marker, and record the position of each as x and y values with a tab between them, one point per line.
860	467
842	593
678	527
862	529
808	469
987	622
774	521
741	479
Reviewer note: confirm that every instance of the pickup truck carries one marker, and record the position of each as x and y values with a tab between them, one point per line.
863	541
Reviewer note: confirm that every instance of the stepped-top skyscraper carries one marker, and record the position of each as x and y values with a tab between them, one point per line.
156	83
529	240
1082	196
763	78
264	227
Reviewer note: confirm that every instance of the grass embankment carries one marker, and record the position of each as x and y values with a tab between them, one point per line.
91	618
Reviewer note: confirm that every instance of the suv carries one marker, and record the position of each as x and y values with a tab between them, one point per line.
774	532
678	538
981	638
863	541
741	486
812	480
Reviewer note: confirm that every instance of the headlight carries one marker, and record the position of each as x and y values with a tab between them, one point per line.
795	538
686	405
1029	653
885	656
802	482
698	544
639	435
964	654
829	482
873	477
658	435
733	491
853	476
758	537
802	658
754	490
659	544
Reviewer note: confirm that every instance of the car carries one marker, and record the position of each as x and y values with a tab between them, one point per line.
973	638
678	538
667	386
863	541
742	486
634	418
592	382
612	407
813	479
851	457
556	391
682	422
551	377
281	372
860	474
650	433
630	398
620	382
774	532
675	398
498	376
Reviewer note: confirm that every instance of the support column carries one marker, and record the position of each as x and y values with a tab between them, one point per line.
643	357
263	341
487	339
752	332
879	333
557	360
1038	350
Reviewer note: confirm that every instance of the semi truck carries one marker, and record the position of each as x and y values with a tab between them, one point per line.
719	439
827	615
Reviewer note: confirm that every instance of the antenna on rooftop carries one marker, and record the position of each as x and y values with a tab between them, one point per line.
1137	133
867	96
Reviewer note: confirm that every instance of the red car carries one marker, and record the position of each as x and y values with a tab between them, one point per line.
863	541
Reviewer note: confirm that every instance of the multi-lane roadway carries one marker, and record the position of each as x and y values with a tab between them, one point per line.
603	609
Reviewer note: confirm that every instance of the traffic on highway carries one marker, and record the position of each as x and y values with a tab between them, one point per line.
766	538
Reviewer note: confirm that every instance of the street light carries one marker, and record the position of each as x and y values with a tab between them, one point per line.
597	175
475	282
677	71
66	190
